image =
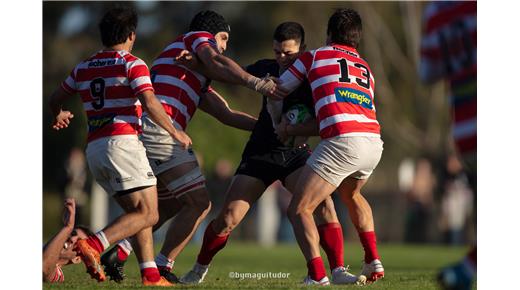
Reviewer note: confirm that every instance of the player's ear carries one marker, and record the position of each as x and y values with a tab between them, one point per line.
303	47
131	36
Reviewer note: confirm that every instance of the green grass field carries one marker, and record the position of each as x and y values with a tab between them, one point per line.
406	267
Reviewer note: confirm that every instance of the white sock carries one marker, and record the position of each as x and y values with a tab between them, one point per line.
150	264
163	261
199	268
103	239
125	246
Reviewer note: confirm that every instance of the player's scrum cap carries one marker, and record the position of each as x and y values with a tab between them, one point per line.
209	21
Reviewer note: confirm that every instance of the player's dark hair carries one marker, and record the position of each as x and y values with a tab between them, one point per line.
289	30
345	27
116	25
209	21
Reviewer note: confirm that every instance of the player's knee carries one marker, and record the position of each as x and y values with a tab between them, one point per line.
302	209
231	221
153	217
198	203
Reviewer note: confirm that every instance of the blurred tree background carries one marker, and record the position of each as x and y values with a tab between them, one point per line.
414	117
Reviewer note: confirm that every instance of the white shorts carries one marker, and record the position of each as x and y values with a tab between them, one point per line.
119	163
336	158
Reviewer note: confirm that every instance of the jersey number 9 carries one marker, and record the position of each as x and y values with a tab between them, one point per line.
97	91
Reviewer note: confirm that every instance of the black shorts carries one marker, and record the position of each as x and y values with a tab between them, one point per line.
274	165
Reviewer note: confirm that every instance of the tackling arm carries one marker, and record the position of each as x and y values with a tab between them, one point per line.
51	251
224	69
307	128
216	105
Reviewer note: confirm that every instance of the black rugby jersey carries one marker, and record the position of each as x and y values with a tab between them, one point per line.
263	138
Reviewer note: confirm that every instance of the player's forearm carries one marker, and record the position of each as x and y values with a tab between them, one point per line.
309	128
159	116
51	251
226	70
239	120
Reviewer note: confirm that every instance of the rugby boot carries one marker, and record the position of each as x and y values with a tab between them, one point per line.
373	271
162	282
195	275
323	282
114	267
340	275
91	258
172	278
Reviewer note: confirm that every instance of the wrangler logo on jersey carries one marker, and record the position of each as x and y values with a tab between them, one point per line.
353	96
97	122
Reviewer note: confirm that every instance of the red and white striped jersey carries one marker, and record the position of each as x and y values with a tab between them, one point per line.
108	83
58	277
342	89
449	50
177	87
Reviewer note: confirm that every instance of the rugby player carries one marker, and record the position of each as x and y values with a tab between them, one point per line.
114	87
59	251
181	91
266	159
449	51
343	94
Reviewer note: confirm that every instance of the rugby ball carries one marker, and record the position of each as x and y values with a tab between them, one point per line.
297	114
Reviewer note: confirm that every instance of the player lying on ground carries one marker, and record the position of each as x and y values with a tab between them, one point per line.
59	251
343	93
181	91
266	159
114	87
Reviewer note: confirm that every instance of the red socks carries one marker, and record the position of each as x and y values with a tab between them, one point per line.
331	240
121	254
95	243
211	244
316	269
368	240
151	274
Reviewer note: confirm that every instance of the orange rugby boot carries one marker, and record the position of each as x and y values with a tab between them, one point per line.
161	283
92	260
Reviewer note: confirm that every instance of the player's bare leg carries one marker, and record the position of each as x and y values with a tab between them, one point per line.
114	259
242	193
310	191
195	206
140	205
330	232
141	212
361	215
143	200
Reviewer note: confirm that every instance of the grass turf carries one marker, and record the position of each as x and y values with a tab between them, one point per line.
406	267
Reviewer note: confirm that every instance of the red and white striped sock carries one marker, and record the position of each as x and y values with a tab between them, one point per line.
164	262
149	270
316	269
98	241
124	248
